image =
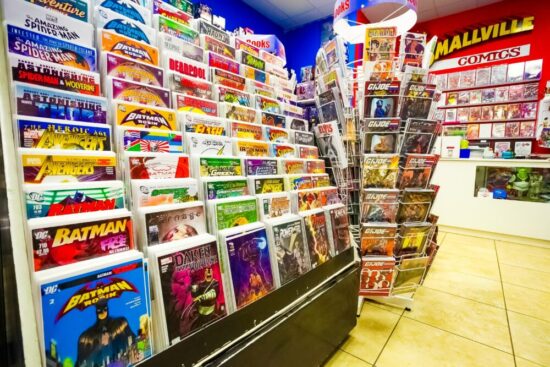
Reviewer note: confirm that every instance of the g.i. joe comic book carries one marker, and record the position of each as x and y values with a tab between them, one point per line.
412	238
378	239
415	205
380	135
380	170
419	136
381	99
417	171
379	205
376	276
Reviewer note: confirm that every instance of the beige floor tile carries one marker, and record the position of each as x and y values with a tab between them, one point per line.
395	310
468	240
524	249
528	278
531	338
520	362
524	256
414	344
466	285
469	265
473	320
373	329
343	359
485	252
527	301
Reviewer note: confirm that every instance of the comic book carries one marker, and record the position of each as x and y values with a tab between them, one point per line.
267	104
133	139
266	184
412	238
528	110
533	70
304	200
217	167
418	170
161	8
381	100
378	239
512	129
140	116
379	205
130	92
410	273
163	191
187	85
380	135
255	74
260	166
328	105
307	152
298	182
216	46
56	104
122	25
294	166
376	276
289	252
499	130
279	150
189	287
224	187
177	30
338	224
295	123
109	41
214	32
231	80
273	205
179	64
155	165
330	144
472	131
64	240
314	166
453	81
43	133
168	223
104	300
50	200
202	124
129	9
415	205
272	119
501	94
475	97
233	212
419	136
277	135
243	130
380	170
233	96
183	5
527	129
172	44
380	43
417	100
62	166
301	137
317	237
237	113
488	95
241	44
515	72
250	148
530	91
209	145
250	60
201	106
116	66
483	76
467	79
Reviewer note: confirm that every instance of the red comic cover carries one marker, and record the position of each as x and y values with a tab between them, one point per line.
376	276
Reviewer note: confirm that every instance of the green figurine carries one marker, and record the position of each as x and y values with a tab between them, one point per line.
520	181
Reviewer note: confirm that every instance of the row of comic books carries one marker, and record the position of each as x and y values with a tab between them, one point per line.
512	93
525	130
500	112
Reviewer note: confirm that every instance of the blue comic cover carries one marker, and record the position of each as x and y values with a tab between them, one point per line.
77	9
50	49
250	266
124	26
56	104
99	318
128	9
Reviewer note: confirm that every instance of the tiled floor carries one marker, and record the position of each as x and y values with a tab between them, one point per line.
484	303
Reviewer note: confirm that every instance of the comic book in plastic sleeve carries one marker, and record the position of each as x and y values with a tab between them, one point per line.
224	187
378	239
250	60
185	66
419	136
307	152
130	9
168	223
189	288
177	29
338	222
117	66
64	240
31	100
410	273
415	205
233	212
320	180
248	264
141	116
119	24
291	166
268	104
87	304
45	133
234	96
381	99
201	106
302	137
412	238
298	182
289	252
53	75
317	237
216	46
259	88
380	135
181	5
304	200
330	144
163	191
276	135
380	43
295	123
417	100
61	166
202	124
130	92
202	144
109	41
168	43
376	276
213	31
315	166
53	200
266	184
379	205
133	139
380	170
215	60
272	119
418	170
245	46
237	112
217	167
260	166
280	150
231	80
255	74
250	148
155	165
76	9
273	205
243	130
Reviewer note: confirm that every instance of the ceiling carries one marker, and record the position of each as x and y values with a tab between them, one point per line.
291	14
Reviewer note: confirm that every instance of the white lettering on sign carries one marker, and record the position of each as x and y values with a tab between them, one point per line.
483	58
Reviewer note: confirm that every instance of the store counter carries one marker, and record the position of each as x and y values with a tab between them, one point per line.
467	187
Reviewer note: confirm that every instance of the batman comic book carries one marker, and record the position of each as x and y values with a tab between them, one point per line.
148	117
121	67
109	41
131	92
96	316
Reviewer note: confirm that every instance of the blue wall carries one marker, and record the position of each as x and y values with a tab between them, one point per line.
302	44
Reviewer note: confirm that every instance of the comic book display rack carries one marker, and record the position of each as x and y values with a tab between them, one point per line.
168	191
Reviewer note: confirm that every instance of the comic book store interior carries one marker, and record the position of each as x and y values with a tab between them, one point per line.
275	183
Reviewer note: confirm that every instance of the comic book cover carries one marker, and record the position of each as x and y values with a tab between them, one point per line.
515	72
475	97
463	114
255	74
260	166
129	92
412	238
530	91
528	110
228	79
418	169
500	112
410	273
234	96
250	60
224	189
512	129
182	65
216	46
314	166
214	32
419	136
279	150
295	123
168	223
321	180
317	198
202	124
271	119
380	170
190	86
171	44
291	252
488	95
201	106
501	94
378	239
381	99
415	205
307	152
156	165
76	9
268	105
235	213
515	92
238	113
53	134
219	167
53	166
163	191
467	79
292	166
129	9
117	44
302	137
119	24
107	302
463	97
271	58
298	182
379	205
417	100
245	46
317	237
380	43
221	62
250	148
330	144
183	5
52	200
210	145
450	114
148	140
499	130
533	70
527	129
380	135
513	111
453	81
339	225
276	135
42	73
472	132
192	288
57	104
255	87
140	116
483	76
474	114
44	48
273	205
178	30
266	184
121	67
376	276
62	241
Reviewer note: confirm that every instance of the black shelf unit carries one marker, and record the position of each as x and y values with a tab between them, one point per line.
331	307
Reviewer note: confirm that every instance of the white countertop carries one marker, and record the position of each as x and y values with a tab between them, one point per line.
496	160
